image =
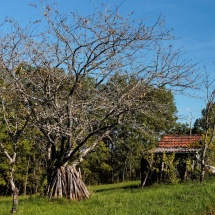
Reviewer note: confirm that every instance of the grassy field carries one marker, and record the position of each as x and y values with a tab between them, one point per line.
125	199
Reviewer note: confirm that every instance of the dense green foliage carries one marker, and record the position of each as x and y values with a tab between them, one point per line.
206	125
30	164
180	129
118	158
200	124
126	199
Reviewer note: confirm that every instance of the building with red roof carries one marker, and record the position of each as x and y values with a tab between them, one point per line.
177	154
179	144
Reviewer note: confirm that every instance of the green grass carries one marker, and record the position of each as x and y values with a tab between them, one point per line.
125	199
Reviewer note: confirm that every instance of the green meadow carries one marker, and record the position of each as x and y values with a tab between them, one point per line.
125	199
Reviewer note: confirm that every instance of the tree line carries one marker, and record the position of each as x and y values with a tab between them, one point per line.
115	158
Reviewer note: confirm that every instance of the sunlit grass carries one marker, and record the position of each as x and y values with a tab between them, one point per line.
125	199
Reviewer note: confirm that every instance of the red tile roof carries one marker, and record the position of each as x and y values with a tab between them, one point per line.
184	141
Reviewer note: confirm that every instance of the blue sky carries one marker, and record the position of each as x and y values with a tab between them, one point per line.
193	22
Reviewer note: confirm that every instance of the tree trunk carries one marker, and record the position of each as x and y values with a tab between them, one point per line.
15	200
202	171
145	169
203	157
15	193
26	177
67	182
202	174
144	180
14	189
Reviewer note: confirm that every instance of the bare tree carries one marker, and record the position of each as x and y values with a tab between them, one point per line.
83	76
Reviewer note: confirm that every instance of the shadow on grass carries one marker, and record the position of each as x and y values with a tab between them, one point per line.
5	200
126	187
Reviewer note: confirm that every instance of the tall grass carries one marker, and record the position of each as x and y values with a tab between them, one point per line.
125	199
